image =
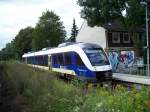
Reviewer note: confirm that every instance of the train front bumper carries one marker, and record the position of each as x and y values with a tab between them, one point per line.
104	75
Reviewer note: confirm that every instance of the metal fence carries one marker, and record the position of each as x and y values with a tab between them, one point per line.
133	70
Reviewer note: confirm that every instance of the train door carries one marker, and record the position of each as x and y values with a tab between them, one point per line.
80	67
49	62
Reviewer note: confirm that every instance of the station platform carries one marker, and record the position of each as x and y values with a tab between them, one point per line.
132	78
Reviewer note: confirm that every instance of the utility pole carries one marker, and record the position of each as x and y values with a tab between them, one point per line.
147	35
145	2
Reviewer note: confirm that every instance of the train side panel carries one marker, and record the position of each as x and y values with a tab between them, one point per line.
72	65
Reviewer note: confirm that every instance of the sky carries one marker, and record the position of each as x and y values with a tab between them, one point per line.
19	14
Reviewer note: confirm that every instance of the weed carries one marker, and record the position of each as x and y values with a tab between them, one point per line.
43	92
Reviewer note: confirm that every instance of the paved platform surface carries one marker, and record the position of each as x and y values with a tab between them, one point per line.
132	78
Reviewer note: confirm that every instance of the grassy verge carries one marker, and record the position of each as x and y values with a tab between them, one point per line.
43	92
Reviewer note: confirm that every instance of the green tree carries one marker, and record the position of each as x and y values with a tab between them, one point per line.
7	52
74	31
100	12
49	31
23	42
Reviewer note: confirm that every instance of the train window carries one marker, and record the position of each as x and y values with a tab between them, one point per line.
79	62
97	56
29	60
35	60
32	60
38	61
60	59
54	59
68	58
46	60
43	62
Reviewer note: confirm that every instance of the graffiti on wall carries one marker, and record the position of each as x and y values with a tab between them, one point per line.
121	61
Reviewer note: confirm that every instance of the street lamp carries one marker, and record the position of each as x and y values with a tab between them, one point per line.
145	2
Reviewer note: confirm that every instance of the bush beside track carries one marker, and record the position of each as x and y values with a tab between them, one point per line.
43	92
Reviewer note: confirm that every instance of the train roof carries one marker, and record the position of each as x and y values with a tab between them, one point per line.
63	48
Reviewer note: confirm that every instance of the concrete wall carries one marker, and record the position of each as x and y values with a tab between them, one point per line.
92	35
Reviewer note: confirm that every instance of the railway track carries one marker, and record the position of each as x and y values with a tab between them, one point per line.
128	81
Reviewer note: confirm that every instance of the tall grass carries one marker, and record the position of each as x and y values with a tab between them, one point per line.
43	92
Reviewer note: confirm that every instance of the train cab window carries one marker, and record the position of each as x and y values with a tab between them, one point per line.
97	56
79	62
60	59
68	58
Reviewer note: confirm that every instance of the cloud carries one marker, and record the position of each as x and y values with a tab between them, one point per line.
18	14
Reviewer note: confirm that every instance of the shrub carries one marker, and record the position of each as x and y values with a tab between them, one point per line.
43	92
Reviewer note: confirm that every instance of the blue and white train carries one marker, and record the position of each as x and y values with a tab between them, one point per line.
85	61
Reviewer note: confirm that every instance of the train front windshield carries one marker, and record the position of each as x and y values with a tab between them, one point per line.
97	56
